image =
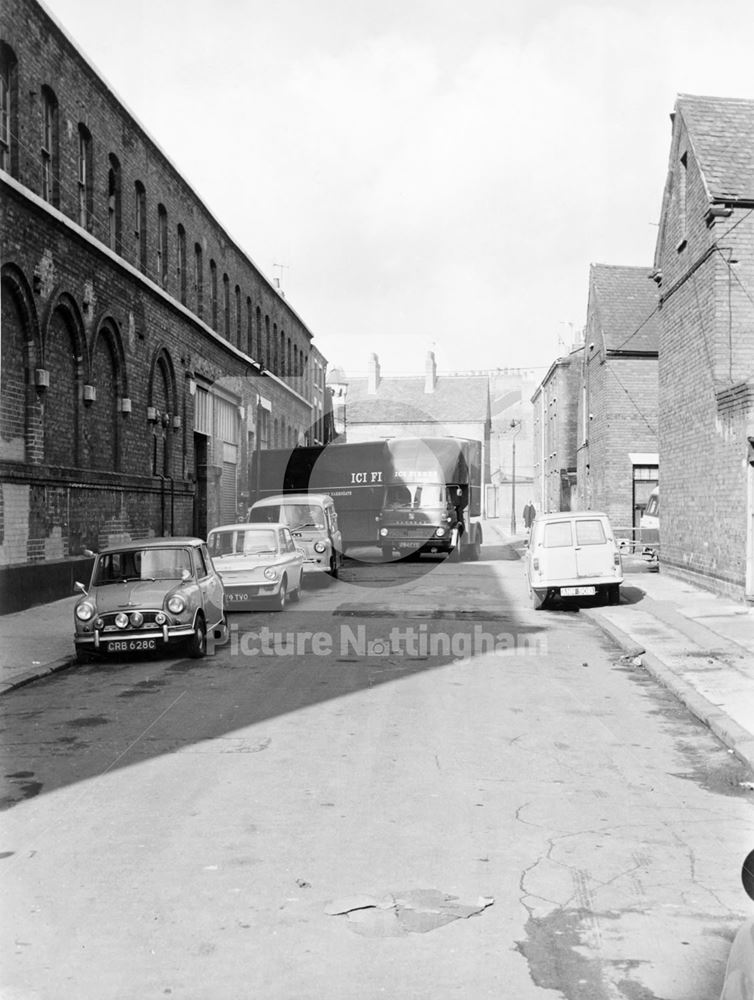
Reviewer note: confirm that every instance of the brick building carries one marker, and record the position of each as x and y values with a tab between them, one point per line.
555	414
143	353
424	406
616	426
704	271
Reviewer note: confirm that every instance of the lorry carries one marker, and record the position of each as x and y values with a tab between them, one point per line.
404	495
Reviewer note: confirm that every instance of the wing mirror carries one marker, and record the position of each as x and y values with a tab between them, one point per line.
79	587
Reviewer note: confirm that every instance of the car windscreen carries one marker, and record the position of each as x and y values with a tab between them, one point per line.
590	532
240	542
557	534
141	564
265	515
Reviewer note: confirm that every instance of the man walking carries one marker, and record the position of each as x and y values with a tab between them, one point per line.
530	512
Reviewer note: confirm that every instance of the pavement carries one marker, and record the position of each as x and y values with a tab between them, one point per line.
697	644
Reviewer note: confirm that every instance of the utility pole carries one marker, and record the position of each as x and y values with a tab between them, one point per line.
515	427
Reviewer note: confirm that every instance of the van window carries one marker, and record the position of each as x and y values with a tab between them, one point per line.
557	534
590	533
653	505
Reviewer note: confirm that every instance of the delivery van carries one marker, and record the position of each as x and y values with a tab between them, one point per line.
313	522
573	554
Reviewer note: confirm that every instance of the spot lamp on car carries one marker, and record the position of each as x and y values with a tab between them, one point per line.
121	620
136	619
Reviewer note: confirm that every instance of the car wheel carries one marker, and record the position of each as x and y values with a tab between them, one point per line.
613	593
537	599
197	644
333	570
82	656
474	551
282	597
454	555
295	595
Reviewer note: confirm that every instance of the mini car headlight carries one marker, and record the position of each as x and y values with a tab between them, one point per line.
137	618
440	532
84	611
319	546
121	620
176	604
383	531
270	573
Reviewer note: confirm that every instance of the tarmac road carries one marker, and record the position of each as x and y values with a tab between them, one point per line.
292	823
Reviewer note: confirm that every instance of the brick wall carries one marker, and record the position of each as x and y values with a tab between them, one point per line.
76	466
706	347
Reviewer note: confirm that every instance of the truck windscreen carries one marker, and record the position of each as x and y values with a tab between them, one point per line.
415	495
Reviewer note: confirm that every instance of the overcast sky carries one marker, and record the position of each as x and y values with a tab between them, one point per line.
430	174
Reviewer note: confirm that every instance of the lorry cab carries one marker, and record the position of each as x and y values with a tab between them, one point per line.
313	522
419	517
573	554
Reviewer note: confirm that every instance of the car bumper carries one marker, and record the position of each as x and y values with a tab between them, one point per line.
595	582
128	641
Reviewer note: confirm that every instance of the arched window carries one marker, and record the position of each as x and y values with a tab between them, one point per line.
50	149
140	224
114	205
213	294
8	110
226	306
180	263
239	317
162	245
85	180
198	279
259	354
249	328
268	360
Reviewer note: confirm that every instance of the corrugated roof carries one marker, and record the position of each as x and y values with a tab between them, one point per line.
624	302
721	130
456	398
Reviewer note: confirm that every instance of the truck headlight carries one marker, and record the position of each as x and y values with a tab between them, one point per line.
176	604
440	532
383	532
319	547
84	611
270	573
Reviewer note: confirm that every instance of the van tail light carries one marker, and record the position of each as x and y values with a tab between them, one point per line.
535	563
616	558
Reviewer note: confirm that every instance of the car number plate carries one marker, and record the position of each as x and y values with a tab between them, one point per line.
577	591
408	545
129	645
236	598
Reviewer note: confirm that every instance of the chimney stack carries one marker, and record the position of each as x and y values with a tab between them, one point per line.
373	375
430	373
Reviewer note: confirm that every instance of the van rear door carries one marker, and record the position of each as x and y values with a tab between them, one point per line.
594	551
558	555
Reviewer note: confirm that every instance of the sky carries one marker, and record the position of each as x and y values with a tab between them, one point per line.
423	174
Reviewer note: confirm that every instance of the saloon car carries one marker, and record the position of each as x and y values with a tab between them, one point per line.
260	564
148	595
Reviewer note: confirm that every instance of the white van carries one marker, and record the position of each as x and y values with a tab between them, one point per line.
573	554
313	522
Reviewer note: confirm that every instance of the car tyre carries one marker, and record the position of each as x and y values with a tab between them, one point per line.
83	656
281	599
454	555
474	551
197	644
295	595
333	570
613	593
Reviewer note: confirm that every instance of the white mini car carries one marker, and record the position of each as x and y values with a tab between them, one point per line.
573	554
258	563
